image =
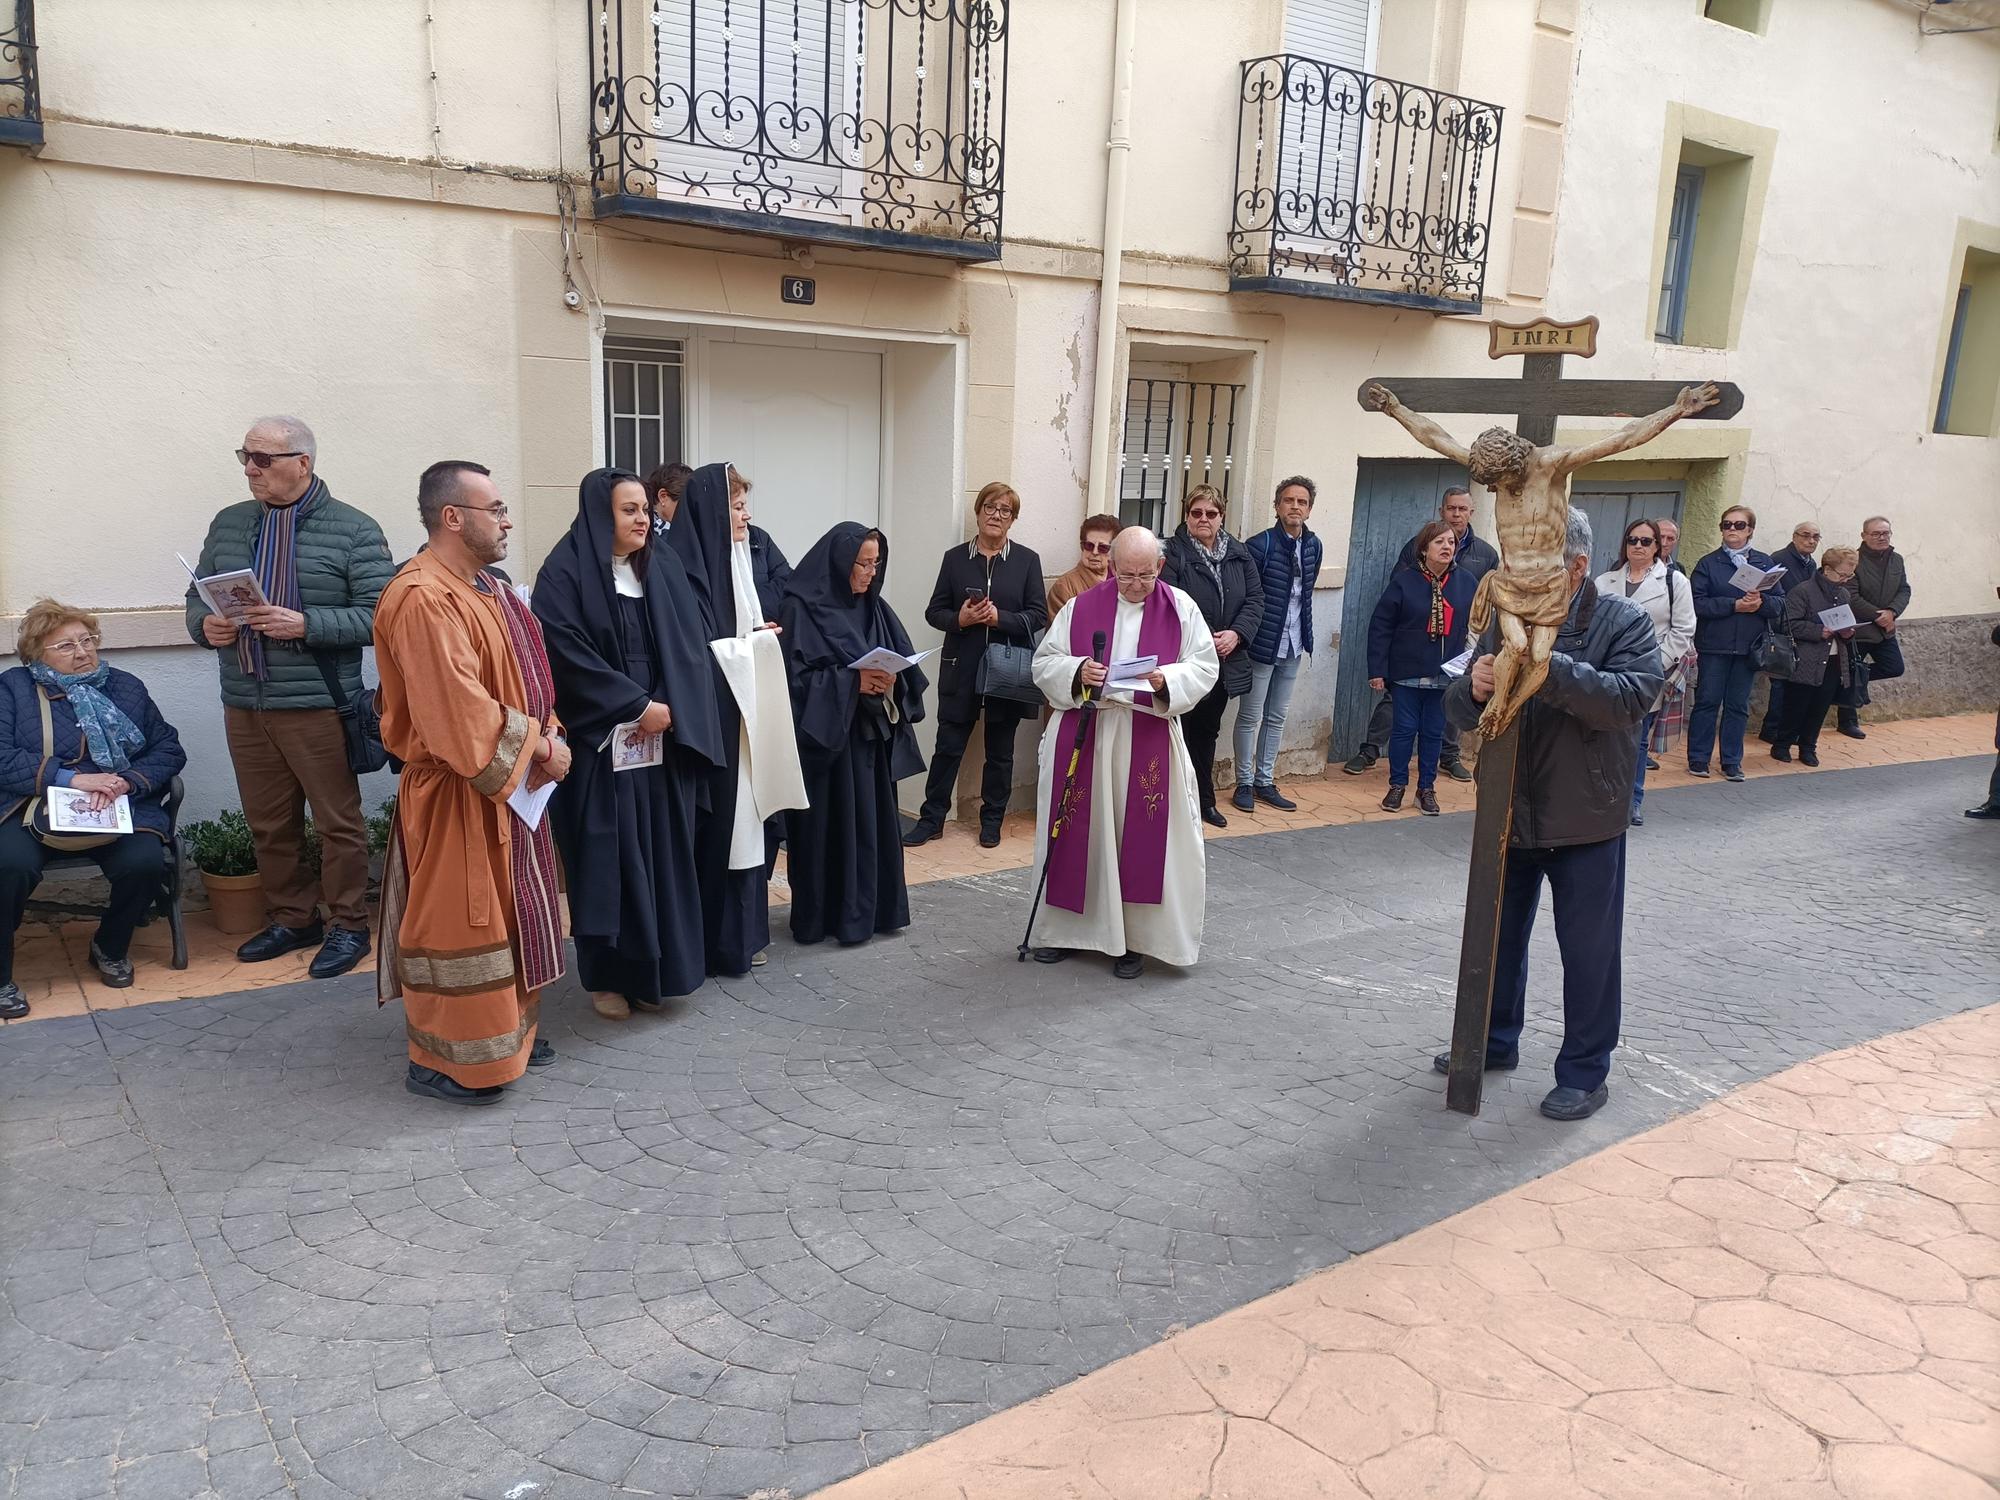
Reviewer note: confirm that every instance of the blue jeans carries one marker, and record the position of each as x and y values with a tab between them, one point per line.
1639	770
1587	882
1419	721
1260	720
1722	689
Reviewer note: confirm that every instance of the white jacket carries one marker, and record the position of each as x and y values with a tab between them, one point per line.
1668	600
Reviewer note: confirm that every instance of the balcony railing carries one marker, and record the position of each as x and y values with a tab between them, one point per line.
863	122
1361	188
20	88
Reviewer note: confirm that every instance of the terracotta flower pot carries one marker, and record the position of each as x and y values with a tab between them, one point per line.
236	902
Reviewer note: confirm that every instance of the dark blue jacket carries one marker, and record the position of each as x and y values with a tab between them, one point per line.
1277	557
1399	640
1798	567
24	773
1718	629
1475	557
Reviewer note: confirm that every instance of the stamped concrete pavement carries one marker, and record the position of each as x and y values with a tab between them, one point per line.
826	1214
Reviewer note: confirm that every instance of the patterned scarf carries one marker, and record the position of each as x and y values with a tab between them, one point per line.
276	561
1440	621
537	908
1213	557
107	730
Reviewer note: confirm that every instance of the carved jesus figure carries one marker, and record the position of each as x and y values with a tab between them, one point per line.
1530	488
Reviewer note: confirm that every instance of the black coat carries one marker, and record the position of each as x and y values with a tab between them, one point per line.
1817	654
1579	735
1797	565
771	571
1013	581
1237	606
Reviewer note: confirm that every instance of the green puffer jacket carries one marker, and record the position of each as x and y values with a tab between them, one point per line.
344	565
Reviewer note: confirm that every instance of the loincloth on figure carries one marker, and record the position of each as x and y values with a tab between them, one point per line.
1537	598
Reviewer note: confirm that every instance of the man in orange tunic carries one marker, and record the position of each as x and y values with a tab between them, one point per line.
471	926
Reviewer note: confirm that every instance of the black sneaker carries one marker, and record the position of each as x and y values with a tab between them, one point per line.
1988	811
1732	773
1651	764
1269	793
343	949
115	972
921	832
1362	763
432	1084
1701	771
277	940
14	1004
1243	800
1455	769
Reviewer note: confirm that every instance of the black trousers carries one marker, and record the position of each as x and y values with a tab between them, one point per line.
132	863
1200	726
1382	724
1587	882
1003	716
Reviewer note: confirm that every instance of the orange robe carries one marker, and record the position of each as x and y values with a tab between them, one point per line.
453	710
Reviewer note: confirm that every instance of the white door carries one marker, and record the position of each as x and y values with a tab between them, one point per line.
805	424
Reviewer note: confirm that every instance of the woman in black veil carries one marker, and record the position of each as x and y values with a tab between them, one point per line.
844	853
628	646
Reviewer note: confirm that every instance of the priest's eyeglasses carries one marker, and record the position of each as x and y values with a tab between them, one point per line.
260	459
1146	577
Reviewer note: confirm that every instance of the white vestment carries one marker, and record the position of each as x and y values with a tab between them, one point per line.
1170	931
768	777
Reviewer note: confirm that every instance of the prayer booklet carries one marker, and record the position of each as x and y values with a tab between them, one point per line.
1131	676
232	594
69	812
633	749
1752	579
529	806
1840	617
882	659
1461	663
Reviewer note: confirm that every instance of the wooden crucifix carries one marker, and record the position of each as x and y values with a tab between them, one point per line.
1531	589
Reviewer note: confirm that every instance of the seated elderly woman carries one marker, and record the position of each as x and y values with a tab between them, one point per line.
68	720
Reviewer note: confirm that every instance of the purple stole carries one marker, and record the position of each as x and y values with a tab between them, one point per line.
1142	843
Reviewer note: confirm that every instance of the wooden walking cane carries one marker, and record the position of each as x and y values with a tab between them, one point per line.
1063	803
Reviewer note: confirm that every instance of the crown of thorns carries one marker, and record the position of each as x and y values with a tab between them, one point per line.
1497	451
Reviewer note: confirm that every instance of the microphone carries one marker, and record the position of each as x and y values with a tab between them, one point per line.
1096	655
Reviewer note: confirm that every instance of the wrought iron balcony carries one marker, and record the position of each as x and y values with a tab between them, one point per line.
20	88
1361	188
862	122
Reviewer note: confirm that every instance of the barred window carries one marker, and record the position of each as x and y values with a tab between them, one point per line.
643	379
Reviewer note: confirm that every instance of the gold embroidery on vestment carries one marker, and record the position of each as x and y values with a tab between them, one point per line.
499	770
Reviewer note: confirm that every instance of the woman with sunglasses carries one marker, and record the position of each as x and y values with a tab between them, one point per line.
1217	571
1668	602
1729	622
1093	562
68	720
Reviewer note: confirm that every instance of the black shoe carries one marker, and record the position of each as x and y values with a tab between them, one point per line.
1781	751
1575	1104
1701	771
1269	792
1808	756
432	1084
343	949
1244	801
1732	773
1651	764
1768	736
1989	812
989	835
1050	955
1455	769
115	972
1638	820
921	832
14	1004
1427	802
1854	731
1362	763
277	940
1213	818
1442	1063
542	1054
1392	800
1128	965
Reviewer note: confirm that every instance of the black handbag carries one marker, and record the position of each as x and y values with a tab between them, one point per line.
1777	654
1008	671
360	723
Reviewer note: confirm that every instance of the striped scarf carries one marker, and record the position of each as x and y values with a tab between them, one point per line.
537	907
1440	621
276	561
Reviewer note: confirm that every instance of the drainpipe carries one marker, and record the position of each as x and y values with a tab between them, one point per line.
1117	156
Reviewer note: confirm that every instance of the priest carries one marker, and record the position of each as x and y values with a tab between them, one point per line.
1128	875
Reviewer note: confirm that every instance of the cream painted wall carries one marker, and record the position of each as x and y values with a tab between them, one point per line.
1884	139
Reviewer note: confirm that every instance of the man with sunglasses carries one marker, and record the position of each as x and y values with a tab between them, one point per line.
1796	558
321	566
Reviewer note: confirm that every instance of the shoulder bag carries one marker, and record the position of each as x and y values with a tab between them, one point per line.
1006	670
36	818
360	723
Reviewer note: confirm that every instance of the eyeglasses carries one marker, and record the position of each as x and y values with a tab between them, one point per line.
81	645
996	508
1204	515
1640	541
1136	578
867	567
1097	549
262	460
497	512
1735	525
1810	536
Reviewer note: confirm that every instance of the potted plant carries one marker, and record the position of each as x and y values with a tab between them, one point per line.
222	849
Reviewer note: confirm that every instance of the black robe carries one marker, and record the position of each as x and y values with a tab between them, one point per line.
628	837
844	852
735	904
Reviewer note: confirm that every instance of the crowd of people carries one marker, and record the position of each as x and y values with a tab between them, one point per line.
672	701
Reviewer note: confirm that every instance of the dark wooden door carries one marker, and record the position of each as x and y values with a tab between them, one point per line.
1613	505
1393	497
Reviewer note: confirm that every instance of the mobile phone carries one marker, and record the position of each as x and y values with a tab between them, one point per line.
974	596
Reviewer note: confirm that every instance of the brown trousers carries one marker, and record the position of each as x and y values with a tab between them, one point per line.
284	759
